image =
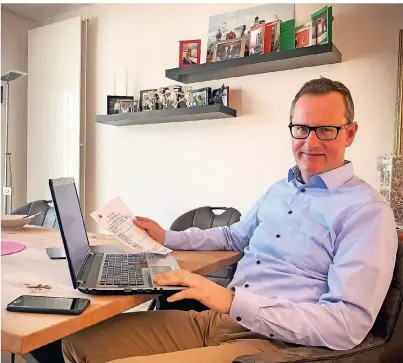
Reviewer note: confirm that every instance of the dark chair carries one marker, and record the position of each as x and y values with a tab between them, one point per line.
383	344
47	216
203	218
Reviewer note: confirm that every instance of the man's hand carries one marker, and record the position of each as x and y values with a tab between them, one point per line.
214	296
151	227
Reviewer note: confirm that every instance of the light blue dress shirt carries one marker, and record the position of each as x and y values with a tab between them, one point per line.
318	259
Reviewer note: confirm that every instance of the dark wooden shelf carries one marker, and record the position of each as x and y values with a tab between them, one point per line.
163	116
271	62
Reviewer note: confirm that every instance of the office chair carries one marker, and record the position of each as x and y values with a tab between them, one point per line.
203	218
47	216
383	344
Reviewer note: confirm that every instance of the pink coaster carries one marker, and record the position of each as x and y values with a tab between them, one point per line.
10	247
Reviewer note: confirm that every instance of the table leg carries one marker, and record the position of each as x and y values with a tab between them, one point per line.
50	353
29	358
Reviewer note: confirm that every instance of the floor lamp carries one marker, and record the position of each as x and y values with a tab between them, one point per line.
8	182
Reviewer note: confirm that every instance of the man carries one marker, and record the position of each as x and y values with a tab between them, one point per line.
319	251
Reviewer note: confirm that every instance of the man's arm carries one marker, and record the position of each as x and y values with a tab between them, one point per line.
358	281
235	237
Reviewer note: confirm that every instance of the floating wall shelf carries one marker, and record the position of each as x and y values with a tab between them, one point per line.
271	62
163	116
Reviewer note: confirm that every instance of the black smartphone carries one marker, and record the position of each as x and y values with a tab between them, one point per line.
49	305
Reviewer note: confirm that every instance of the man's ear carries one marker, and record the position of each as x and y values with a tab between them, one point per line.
350	134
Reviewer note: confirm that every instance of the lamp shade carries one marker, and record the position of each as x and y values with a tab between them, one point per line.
12	76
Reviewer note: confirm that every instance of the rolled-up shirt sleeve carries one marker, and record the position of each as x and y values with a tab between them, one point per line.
358	280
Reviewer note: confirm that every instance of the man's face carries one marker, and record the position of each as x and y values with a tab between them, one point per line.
312	155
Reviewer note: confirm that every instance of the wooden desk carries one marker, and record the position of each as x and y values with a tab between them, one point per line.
31	272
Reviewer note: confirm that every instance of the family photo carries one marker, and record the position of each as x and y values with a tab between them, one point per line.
230	49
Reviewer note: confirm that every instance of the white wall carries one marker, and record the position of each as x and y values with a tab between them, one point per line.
161	171
14	55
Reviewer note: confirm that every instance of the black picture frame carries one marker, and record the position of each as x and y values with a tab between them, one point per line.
111	100
142	92
205	97
224	98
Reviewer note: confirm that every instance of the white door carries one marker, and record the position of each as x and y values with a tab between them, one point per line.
54	86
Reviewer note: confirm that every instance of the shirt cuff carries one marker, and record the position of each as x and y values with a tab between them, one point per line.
174	239
245	307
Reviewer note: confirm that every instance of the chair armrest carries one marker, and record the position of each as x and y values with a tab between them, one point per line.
289	355
366	352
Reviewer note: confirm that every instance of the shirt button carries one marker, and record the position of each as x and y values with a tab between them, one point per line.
303	190
290	212
246	285
258	262
238	318
278	236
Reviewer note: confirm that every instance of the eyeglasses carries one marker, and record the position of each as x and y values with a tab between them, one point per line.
322	132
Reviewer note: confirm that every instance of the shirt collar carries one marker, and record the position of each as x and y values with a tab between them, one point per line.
331	179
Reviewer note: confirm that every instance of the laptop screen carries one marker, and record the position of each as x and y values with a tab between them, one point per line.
65	200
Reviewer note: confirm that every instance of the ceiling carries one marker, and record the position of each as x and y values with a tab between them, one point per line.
39	12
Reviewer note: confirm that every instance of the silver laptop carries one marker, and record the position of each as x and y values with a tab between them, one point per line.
103	273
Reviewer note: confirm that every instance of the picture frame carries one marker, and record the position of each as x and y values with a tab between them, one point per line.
147	100
128	106
229	49
113	103
304	35
322	22
201	97
256	40
189	52
224	99
172	97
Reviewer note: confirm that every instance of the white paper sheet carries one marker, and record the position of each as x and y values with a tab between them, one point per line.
117	218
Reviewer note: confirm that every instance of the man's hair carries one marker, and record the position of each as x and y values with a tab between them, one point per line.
321	86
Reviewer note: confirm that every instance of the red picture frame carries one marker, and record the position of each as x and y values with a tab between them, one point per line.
189	52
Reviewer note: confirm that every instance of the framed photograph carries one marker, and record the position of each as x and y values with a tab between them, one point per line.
304	35
172	98
220	96
256	41
201	97
189	52
147	100
275	36
127	106
114	103
229	49
322	22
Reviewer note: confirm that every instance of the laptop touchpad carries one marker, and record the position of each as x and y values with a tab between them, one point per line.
156	270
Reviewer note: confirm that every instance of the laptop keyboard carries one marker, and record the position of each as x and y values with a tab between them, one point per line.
122	269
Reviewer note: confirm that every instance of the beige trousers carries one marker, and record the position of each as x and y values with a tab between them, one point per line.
166	336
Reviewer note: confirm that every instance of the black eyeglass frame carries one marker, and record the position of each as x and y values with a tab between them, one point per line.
314	128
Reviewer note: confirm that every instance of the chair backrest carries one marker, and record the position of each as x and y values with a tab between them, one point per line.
204	218
47	216
383	344
388	327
